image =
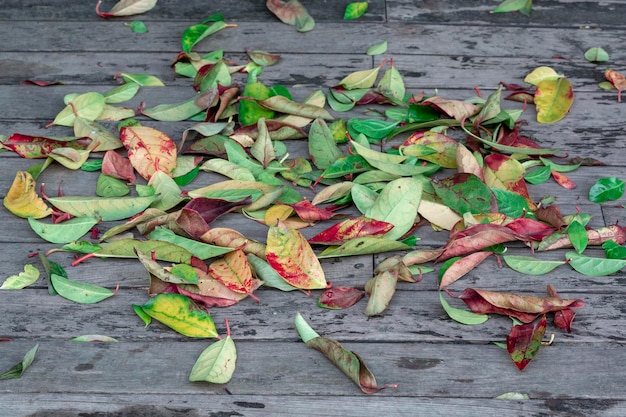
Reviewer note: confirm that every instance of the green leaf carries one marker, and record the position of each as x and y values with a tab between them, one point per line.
364	246
510	204
121	93
65	232
250	111
79	292
169	193
351	164
268	275
578	236
529	265
538	176
594	267
94	338
390	163
464	193
87	105
558	167
18	370
305	331
108	186
176	112
137	26
381	289
198	249
377	48
163	251
144	80
194	34
373	128
107	209
28	277
613	250
596	55
462	316
523	6
606	189
216	364
355	10
397	204
322	146
177	312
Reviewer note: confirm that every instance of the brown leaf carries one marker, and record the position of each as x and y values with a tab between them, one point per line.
115	165
292	12
525	308
476	238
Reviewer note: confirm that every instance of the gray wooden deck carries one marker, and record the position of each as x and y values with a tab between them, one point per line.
441	367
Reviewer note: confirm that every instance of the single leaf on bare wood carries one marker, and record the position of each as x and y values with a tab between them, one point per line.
289	253
292	12
348	362
380	289
149	150
525	308
524	341
531	266
17	370
25	278
337	298
126	8
216	363
263	58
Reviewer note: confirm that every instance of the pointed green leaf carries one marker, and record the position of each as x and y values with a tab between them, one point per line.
531	266
107	209
194	34
594	267
18	370
79	292
378	48
355	10
216	364
198	249
322	146
65	232
606	189
462	316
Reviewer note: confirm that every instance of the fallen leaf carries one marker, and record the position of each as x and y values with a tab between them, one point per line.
524	341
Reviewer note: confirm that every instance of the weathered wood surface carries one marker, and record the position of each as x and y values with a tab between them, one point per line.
442	367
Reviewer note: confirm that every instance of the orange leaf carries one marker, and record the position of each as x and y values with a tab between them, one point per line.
289	253
149	150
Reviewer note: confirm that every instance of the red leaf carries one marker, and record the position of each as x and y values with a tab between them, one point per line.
531	228
524	341
337	298
563	318
462	267
28	146
551	215
563	180
350	229
476	238
525	308
618	81
212	208
41	83
311	213
117	166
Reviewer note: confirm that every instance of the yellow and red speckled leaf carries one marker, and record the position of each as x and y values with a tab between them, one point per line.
289	253
233	270
33	147
524	341
149	150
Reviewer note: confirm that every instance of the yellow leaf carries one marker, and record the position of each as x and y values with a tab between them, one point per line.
22	200
438	214
539	74
553	99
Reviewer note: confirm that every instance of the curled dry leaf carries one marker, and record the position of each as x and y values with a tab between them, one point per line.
618	81
22	200
337	298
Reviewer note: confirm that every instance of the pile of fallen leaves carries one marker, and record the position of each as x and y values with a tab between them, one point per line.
480	195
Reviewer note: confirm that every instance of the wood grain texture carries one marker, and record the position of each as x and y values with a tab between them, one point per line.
442	368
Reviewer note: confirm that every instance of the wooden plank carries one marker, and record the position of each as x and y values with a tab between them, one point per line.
557	13
414	315
278	368
243	10
196	405
327	38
